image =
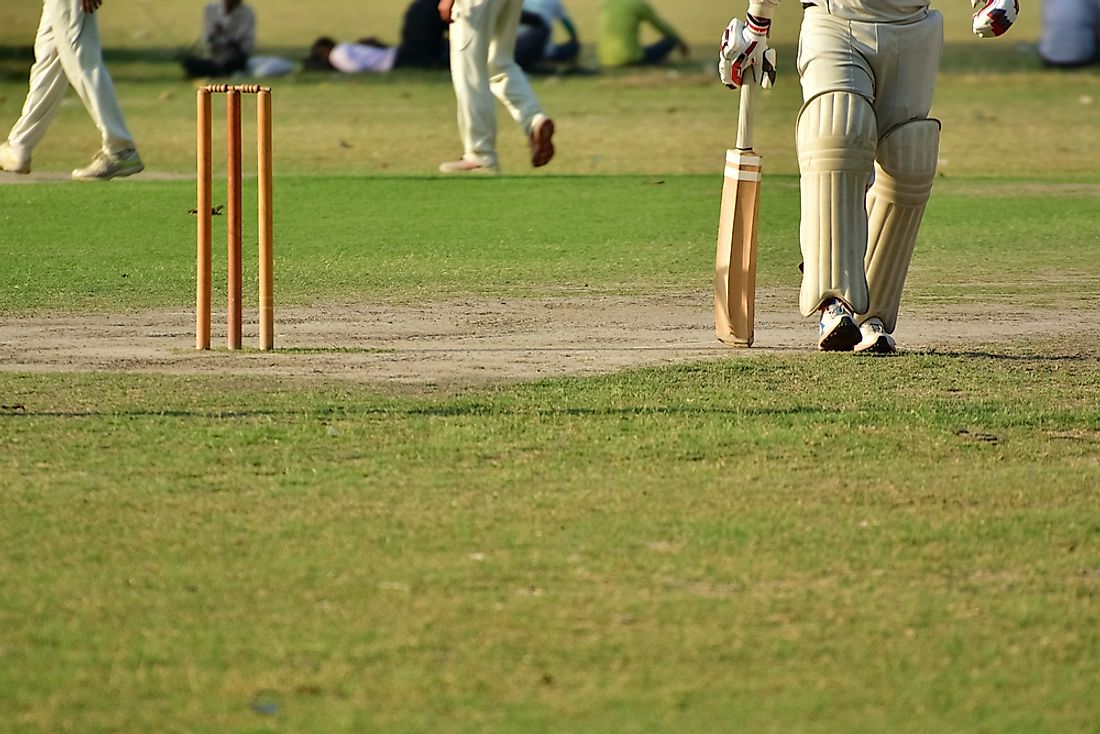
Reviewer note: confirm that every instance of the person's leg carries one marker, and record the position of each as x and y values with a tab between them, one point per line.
657	52
563	52
836	134
47	88
81	56
470	38
507	80
905	160
196	67
530	44
511	87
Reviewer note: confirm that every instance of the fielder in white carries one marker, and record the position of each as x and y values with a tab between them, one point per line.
67	51
483	66
867	149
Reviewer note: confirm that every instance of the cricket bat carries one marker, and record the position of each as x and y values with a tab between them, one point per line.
735	264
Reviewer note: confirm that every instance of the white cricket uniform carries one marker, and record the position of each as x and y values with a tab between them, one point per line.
867	150
1071	32
483	66
67	51
885	50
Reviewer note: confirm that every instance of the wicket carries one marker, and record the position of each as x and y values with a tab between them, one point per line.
233	213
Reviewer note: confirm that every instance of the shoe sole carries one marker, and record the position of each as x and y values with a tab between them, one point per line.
542	144
881	345
843	338
479	171
116	174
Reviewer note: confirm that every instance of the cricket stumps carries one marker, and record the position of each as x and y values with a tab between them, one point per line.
204	212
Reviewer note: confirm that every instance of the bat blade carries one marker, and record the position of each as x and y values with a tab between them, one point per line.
735	263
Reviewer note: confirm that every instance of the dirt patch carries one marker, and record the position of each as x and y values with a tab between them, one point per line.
475	341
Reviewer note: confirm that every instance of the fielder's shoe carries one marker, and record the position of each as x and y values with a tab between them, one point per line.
542	143
838	331
104	167
11	161
464	166
876	340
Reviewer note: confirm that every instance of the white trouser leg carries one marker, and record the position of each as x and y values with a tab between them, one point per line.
68	42
835	137
470	40
47	88
508	81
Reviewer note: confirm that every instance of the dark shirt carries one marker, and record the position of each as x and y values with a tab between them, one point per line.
423	37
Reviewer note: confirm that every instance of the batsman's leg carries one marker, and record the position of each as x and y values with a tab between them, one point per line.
836	134
904	171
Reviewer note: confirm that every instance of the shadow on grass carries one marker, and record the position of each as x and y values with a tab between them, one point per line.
1001	357
444	411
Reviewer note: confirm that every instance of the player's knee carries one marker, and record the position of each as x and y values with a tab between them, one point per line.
907	156
836	131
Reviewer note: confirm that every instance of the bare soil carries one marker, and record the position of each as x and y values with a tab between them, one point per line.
469	342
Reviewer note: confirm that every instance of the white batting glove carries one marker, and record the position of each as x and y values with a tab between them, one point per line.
745	50
994	17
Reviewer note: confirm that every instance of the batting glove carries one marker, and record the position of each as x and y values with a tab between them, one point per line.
994	17
745	50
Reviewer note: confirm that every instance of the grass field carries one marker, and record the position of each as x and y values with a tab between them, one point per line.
782	541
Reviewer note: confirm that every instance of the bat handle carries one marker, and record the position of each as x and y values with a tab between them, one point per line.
745	114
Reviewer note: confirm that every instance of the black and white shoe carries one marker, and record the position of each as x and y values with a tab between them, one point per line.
837	331
875	339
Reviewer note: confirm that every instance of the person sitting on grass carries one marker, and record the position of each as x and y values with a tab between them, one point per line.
620	27
423	46
535	43
228	39
365	55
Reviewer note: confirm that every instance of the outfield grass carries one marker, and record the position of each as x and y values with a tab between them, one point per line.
744	545
791	543
130	245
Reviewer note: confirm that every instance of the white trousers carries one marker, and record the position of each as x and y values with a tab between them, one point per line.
67	51
483	66
893	65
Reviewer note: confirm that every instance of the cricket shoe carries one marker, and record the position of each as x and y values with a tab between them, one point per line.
837	331
11	161
104	167
876	340
464	166
542	143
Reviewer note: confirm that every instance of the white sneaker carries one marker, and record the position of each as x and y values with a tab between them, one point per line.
11	161
464	166
876	340
104	167
837	331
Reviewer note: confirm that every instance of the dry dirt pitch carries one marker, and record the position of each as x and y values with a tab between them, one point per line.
469	342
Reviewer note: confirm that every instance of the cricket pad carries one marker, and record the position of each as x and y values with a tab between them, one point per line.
904	170
836	135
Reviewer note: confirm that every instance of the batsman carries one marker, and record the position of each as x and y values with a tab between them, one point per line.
867	148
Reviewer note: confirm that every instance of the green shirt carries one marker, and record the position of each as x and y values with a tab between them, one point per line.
620	22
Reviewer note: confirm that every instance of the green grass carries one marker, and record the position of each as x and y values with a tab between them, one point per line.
401	239
738	545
